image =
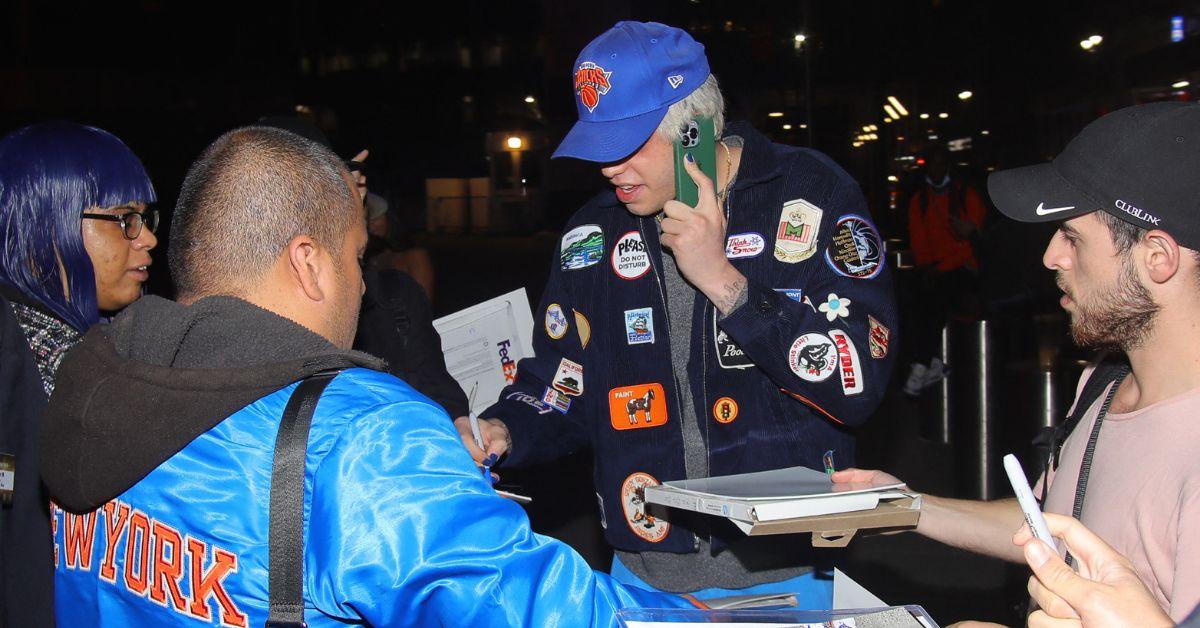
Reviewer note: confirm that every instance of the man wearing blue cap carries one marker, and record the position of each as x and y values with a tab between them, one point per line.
743	334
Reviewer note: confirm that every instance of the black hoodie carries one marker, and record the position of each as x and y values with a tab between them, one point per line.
137	391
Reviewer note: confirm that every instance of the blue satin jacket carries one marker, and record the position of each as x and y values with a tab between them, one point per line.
774	384
400	529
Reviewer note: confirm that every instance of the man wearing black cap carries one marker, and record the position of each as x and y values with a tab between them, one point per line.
739	335
1127	197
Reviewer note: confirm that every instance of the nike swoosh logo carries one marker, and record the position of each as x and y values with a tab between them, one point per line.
1043	211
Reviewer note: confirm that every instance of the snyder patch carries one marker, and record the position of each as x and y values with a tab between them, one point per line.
854	248
729	354
584	328
581	247
633	502
848	366
637	407
796	236
556	321
569	378
630	258
813	357
531	401
556	400
880	337
639	326
725	410
741	245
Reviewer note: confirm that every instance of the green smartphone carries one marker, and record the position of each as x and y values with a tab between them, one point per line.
698	138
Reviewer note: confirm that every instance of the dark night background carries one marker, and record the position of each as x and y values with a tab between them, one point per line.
423	84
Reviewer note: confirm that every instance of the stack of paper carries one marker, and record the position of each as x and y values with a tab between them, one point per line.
770	495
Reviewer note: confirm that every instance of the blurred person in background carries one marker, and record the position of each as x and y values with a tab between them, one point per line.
77	238
945	217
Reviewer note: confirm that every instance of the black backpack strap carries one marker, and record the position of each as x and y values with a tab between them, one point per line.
1049	440
286	567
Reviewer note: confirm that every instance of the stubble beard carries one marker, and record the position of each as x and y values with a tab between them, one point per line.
1120	319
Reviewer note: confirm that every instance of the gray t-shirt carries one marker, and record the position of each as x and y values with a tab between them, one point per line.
746	562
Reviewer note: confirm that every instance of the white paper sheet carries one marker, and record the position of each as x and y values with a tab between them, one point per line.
483	343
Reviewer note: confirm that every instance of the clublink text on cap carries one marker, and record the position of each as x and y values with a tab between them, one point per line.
1139	164
624	81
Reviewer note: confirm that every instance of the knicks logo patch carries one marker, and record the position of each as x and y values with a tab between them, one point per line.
633	502
591	82
637	407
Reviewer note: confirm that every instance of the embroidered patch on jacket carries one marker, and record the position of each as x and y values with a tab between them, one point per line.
854	249
729	354
796	236
556	321
569	378
556	400
581	247
531	401
725	410
813	357
633	502
637	407
639	326
584	328
880	337
835	306
630	258
848	366
741	245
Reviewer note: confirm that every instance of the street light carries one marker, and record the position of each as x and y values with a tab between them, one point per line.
514	142
787	127
899	107
775	114
924	116
1180	84
530	99
965	94
943	115
891	112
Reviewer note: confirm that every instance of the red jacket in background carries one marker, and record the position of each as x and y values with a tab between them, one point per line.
933	240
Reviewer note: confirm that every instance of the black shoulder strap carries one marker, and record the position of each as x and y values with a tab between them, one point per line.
1049	440
286	536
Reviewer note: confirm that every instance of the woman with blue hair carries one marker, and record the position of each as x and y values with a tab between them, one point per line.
75	241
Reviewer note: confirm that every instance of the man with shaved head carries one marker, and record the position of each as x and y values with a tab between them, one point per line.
161	448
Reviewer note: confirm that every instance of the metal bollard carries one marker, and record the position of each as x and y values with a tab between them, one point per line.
972	405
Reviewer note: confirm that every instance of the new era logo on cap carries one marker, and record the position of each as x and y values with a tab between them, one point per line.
675	81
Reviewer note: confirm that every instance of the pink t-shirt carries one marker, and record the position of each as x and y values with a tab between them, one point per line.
1143	493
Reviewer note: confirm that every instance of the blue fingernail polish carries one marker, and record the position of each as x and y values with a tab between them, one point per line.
490	460
690	158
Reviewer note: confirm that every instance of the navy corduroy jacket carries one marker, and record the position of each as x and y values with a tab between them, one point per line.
775	383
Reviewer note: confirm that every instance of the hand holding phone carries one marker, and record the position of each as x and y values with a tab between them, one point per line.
1029	506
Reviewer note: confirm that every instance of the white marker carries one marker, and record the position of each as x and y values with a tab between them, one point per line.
1029	506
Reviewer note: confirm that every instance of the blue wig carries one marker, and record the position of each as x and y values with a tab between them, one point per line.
49	174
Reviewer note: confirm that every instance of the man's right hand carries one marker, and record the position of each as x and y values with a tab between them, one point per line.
1105	592
496	440
868	476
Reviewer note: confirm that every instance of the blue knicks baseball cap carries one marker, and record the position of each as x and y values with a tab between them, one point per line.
625	80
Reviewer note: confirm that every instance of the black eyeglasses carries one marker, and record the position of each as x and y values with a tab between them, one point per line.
131	223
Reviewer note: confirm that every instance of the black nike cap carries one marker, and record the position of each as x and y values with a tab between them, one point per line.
1140	164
